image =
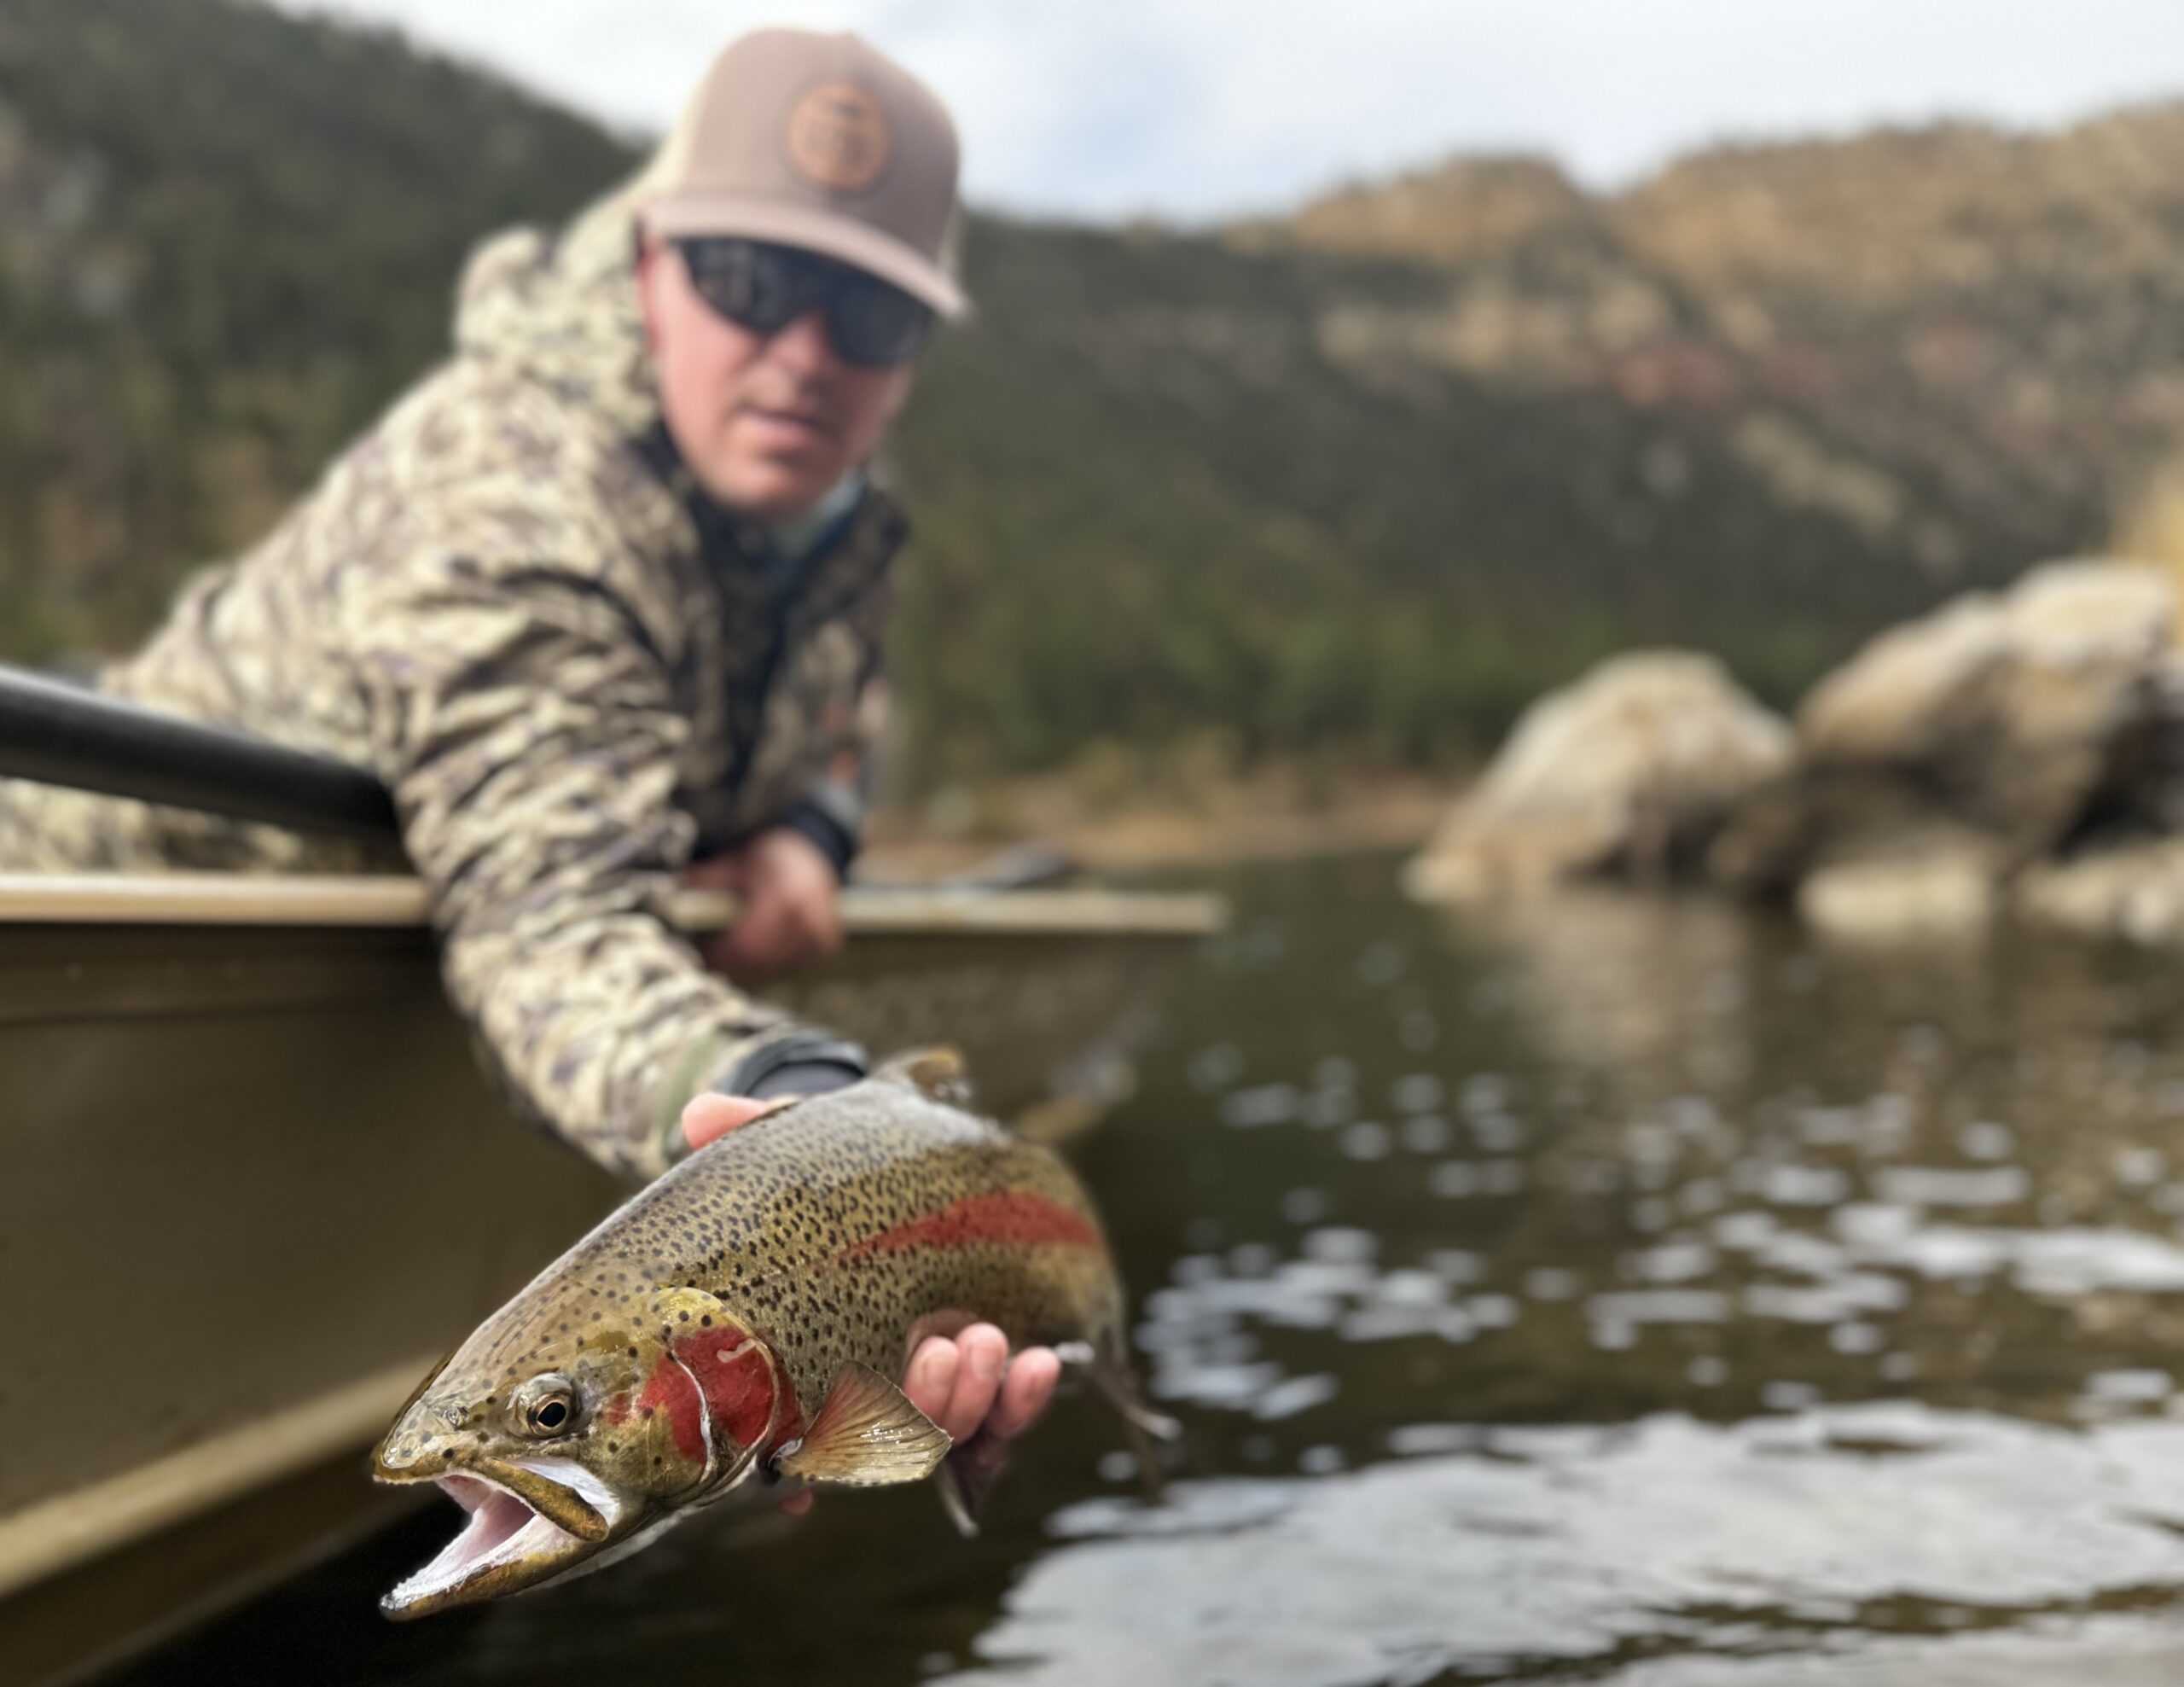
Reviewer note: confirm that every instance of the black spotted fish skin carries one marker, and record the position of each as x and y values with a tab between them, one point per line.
832	1229
833	1233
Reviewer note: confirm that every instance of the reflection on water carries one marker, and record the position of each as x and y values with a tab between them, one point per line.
1529	1553
1592	1290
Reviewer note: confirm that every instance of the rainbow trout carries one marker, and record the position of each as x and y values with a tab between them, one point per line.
745	1316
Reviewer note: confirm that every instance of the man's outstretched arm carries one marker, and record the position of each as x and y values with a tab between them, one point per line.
525	721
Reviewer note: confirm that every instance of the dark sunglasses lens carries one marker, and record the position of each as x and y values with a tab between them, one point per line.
873	322
760	287
764	289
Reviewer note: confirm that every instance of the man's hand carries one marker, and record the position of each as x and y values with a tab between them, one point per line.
788	917
959	1384
708	1116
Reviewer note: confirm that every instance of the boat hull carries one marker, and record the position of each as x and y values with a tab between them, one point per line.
253	1181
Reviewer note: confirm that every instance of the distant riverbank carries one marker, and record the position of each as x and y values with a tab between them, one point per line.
1276	816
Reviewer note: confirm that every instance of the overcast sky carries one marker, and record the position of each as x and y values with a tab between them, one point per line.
1192	109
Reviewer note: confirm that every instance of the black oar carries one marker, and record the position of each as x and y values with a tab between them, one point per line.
63	734
59	734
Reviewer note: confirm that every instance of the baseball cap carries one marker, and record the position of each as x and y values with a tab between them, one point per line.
822	142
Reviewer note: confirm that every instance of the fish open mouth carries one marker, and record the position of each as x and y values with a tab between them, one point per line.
508	1542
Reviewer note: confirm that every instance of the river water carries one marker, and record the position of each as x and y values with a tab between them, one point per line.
1596	1290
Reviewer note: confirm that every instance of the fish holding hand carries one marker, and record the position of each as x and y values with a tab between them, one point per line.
743	1317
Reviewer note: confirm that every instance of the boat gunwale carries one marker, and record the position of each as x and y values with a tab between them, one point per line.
57	1532
390	902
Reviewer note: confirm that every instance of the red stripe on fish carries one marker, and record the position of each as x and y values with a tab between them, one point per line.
670	1389
737	1380
1004	1215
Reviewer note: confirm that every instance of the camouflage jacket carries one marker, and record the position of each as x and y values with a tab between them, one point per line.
574	673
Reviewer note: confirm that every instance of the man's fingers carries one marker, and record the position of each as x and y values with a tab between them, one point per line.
789	915
983	1352
1025	1389
971	1382
724	953
809	926
755	947
707	1116
717	872
774	938
930	1377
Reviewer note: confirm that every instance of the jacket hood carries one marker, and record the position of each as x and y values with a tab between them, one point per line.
561	310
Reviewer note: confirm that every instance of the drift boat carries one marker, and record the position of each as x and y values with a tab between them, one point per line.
253	1183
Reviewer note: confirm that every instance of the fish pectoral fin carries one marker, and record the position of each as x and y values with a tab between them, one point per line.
966	1475
938	1074
1110	1374
867	1436
1114	1383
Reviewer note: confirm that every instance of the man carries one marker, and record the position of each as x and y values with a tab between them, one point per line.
601	601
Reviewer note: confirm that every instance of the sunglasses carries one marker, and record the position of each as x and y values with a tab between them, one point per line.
764	287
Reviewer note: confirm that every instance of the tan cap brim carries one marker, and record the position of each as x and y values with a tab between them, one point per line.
852	241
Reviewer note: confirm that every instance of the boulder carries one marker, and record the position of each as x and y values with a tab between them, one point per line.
1627	773
2005	725
1814	817
1945	891
2133	891
2018	713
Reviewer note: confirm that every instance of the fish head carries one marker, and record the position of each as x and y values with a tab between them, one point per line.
569	1442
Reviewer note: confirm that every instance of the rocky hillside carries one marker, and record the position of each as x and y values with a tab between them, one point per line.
1350	486
1964	343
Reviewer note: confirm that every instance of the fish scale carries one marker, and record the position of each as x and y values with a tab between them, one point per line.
746	1314
771	1219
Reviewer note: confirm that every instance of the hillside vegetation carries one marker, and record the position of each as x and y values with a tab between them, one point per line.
1345	487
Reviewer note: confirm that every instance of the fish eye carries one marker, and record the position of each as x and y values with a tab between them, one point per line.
546	1405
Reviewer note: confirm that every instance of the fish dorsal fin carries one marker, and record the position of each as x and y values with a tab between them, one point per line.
939	1074
867	1436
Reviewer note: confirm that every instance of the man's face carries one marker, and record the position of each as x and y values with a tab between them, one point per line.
769	423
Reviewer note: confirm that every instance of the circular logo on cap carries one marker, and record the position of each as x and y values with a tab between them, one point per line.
838	137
